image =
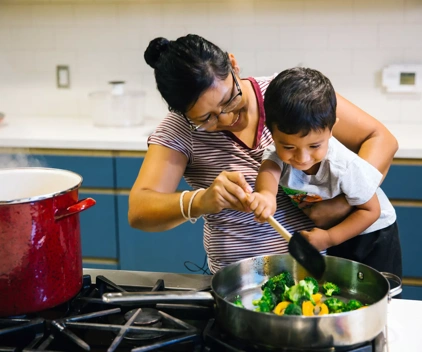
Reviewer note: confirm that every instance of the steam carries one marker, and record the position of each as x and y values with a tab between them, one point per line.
21	160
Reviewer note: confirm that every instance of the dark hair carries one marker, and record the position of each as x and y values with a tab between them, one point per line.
185	68
300	100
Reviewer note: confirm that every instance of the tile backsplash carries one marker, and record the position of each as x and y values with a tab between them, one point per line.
350	41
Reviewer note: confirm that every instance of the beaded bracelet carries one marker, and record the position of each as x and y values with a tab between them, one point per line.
181	204
193	220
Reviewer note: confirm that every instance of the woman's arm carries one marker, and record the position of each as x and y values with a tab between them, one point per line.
364	135
154	204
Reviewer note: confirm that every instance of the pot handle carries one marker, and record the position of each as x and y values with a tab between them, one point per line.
396	290
159	297
74	209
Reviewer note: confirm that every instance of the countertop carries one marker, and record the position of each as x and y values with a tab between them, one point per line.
403	326
80	133
403	320
71	133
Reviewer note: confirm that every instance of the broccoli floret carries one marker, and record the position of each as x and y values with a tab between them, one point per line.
301	300
312	283
238	302
267	302
279	284
295	293
353	304
335	305
330	289
293	309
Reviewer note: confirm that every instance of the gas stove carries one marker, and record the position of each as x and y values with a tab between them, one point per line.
86	323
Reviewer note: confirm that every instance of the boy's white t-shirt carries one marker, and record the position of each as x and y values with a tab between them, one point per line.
341	172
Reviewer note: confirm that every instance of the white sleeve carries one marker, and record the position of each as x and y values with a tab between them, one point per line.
271	154
360	181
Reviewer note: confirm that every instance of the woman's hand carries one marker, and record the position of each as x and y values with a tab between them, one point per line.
263	204
327	213
319	238
228	191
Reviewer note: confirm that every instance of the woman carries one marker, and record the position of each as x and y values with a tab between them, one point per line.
214	136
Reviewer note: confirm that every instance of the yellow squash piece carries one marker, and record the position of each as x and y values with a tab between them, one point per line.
308	308
279	309
317	297
323	309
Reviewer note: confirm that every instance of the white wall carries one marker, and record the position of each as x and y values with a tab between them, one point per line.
350	41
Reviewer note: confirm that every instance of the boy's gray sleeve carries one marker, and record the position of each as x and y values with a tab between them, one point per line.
360	181
271	154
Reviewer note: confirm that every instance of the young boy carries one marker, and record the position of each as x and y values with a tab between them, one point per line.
310	165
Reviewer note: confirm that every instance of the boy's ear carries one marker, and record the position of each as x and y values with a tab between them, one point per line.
333	127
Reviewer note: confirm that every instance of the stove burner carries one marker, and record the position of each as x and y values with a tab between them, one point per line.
148	317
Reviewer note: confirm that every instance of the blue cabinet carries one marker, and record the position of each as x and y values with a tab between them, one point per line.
410	239
412	292
98	227
127	169
403	187
96	171
154	251
159	251
404	182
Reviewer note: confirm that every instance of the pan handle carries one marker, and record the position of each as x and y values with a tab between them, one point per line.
159	297
396	290
74	209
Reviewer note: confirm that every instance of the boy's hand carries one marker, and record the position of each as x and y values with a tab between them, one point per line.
263	205
319	238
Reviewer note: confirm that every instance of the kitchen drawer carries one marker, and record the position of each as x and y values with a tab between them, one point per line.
412	292
97	171
403	182
159	251
98	227
410	239
127	169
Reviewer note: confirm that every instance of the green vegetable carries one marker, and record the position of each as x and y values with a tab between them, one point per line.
312	283
238	302
353	304
279	284
267	302
330	289
293	309
301	300
335	305
296	292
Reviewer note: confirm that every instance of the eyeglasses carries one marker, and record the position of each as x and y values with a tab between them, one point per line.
226	109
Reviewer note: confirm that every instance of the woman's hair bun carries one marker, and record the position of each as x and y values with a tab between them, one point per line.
154	50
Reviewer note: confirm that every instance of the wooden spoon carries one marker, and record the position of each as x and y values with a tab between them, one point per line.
300	249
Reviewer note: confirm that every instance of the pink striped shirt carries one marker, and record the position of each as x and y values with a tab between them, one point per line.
230	235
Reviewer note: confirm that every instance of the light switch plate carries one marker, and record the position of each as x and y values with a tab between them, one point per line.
63	76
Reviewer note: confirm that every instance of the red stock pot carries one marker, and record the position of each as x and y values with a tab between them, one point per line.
40	242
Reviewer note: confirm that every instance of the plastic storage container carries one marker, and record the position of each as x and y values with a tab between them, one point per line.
117	107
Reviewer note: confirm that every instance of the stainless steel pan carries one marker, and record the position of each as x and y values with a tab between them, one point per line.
267	330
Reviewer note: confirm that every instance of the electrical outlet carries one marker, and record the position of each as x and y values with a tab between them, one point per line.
63	76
